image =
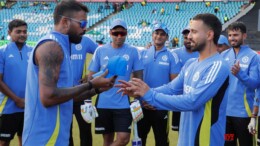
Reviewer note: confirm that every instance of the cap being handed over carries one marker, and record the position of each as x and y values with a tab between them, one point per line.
116	66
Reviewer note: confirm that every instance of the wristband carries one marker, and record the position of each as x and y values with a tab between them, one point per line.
97	91
90	85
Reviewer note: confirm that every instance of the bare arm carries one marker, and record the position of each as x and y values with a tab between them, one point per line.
87	94
8	92
49	57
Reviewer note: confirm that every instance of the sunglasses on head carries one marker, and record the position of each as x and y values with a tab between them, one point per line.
117	33
83	23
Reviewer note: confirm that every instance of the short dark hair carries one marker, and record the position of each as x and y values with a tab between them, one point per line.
237	26
212	22
67	8
16	23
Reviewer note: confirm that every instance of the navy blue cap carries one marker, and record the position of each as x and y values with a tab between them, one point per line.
186	29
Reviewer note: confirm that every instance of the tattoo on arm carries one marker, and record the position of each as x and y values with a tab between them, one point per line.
50	61
49	57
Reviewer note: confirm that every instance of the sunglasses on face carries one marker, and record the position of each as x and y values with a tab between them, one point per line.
82	23
117	33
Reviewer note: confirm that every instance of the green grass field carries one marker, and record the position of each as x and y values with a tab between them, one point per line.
98	140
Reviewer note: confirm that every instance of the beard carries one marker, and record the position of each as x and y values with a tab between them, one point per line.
19	43
188	46
76	39
199	47
238	44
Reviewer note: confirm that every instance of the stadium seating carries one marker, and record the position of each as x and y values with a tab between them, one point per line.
41	22
176	21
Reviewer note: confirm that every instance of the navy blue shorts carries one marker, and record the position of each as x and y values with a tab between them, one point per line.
113	120
10	124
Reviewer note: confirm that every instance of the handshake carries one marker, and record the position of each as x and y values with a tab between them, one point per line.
88	111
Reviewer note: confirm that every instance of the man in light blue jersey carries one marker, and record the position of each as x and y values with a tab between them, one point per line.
114	110
13	69
244	79
49	91
199	91
78	58
160	67
184	54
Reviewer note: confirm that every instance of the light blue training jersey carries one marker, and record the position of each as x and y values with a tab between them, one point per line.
184	55
158	66
78	57
48	125
13	67
257	93
242	86
110	99
202	87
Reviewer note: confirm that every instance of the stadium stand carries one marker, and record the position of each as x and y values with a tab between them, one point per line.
40	19
139	35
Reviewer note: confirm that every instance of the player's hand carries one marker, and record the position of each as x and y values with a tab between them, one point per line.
100	90
123	89
84	80
102	82
235	68
19	102
134	88
252	126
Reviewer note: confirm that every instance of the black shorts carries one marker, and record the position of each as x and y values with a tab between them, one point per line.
159	121
10	124
236	128
176	121
113	120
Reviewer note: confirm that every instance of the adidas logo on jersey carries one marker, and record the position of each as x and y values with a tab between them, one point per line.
166	117
106	58
11	56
